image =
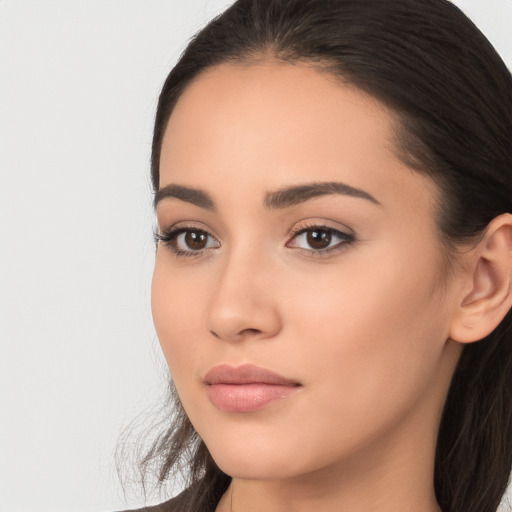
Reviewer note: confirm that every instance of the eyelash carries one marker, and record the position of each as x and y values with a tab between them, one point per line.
346	239
169	237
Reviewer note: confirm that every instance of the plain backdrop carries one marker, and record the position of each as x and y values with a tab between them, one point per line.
79	358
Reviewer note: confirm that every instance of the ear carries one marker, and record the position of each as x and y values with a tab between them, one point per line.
486	294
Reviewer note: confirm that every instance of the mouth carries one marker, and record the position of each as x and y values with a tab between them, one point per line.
246	388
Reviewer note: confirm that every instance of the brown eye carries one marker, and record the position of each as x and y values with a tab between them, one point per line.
196	240
319	238
188	241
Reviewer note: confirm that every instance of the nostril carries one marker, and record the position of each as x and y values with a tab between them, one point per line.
250	331
237	335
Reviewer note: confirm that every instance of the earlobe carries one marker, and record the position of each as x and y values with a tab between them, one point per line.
489	280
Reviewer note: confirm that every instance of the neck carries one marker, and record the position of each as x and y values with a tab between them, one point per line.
379	490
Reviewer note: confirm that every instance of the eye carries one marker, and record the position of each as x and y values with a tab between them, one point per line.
319	239
185	241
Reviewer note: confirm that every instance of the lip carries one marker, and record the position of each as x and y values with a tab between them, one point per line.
246	388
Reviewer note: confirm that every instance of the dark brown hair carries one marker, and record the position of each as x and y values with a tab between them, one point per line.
452	93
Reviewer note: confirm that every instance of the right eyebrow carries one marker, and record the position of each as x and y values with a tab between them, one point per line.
195	196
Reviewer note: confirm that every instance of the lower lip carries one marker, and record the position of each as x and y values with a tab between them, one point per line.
247	397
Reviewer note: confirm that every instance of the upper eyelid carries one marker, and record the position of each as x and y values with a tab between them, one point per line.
320	224
293	232
341	234
176	231
186	226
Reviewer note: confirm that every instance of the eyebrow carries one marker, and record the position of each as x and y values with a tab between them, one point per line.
279	199
190	195
291	196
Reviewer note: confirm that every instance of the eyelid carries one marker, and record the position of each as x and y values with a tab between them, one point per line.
169	236
185	225
309	224
346	235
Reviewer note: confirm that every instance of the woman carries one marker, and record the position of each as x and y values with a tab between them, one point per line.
332	288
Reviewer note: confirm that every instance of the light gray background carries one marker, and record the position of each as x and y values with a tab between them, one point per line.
78	355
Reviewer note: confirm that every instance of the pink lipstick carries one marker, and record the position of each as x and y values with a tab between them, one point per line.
246	388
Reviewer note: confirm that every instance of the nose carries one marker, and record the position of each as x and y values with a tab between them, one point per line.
244	303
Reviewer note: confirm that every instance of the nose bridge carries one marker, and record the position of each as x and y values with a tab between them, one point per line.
243	301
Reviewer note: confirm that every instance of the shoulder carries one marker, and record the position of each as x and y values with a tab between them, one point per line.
168	506
199	497
183	503
176	504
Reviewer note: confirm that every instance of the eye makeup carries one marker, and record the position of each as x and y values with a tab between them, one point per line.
310	239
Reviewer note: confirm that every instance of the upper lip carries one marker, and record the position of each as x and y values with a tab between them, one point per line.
245	374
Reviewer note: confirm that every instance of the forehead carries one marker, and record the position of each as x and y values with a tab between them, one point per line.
270	103
281	124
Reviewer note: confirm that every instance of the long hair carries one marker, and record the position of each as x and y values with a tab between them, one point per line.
452	95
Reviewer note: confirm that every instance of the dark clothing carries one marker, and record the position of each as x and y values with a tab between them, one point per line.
180	504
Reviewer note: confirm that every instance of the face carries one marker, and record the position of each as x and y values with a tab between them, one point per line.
298	292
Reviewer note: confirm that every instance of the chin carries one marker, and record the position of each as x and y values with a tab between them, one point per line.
253	468
260	459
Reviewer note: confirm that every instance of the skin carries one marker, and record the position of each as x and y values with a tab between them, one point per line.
365	328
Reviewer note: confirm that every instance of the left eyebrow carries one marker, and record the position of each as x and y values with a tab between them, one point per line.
286	197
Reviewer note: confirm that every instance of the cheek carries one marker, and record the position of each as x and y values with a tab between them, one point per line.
374	331
175	303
